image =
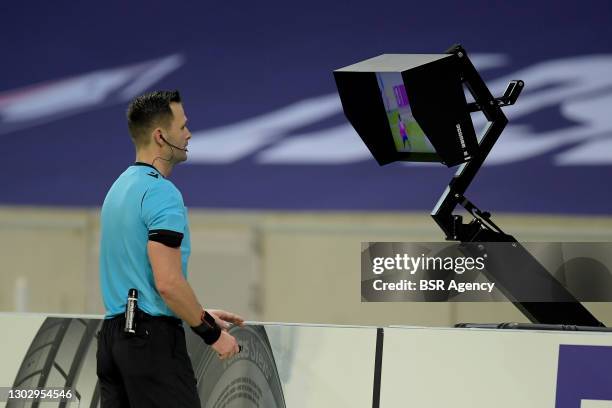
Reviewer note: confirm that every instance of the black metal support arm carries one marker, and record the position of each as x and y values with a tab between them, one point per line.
482	229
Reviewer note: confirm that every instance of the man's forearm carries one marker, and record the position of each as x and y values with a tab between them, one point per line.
180	298
171	284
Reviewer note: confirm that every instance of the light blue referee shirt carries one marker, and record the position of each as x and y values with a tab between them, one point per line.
139	201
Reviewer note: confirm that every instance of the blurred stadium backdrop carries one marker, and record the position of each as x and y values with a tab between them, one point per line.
280	188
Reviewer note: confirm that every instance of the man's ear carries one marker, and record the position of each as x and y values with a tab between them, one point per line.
157	136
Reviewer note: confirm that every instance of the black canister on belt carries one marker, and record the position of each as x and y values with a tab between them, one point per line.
131	308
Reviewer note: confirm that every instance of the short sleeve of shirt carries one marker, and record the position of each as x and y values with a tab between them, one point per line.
163	208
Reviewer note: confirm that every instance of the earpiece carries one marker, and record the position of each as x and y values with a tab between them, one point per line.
170	144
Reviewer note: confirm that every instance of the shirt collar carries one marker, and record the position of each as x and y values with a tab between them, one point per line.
148	165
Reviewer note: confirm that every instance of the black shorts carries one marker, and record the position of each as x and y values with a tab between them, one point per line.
148	369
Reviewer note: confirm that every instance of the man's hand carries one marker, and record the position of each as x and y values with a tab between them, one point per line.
226	346
224	319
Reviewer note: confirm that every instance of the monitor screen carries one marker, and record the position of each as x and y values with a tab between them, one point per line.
409	107
408	136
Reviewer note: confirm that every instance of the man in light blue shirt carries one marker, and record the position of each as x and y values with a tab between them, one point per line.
140	205
145	245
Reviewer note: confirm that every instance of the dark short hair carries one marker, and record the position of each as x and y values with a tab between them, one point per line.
149	110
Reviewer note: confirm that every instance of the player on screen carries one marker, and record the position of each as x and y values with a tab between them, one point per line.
403	133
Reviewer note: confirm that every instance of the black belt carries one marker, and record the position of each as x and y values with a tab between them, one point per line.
145	317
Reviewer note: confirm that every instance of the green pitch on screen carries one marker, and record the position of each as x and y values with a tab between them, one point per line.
416	142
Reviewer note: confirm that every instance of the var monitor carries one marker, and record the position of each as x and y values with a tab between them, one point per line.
409	107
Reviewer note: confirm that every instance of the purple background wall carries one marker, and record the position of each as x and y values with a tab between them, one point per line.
268	131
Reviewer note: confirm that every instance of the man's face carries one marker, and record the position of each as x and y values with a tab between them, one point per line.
177	133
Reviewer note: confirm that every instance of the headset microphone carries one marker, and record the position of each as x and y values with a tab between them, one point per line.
171	145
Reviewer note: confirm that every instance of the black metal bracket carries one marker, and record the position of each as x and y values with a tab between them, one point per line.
481	228
454	194
511	94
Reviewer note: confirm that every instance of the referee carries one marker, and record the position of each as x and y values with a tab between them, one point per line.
145	245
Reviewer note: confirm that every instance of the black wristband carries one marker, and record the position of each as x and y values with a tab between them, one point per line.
209	331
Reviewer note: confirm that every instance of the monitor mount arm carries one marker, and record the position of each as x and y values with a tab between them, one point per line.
481	228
